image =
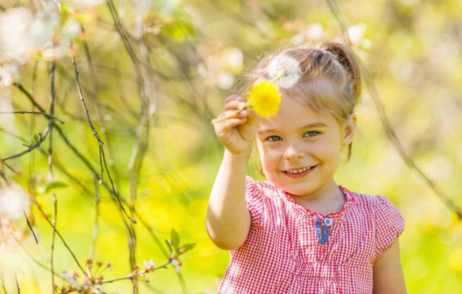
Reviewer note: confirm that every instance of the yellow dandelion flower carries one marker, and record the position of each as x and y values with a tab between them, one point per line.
265	98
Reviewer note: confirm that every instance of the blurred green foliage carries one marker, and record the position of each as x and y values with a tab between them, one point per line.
186	58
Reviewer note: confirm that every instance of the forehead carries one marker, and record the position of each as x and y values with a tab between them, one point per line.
293	113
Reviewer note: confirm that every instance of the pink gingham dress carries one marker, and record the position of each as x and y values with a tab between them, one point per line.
282	253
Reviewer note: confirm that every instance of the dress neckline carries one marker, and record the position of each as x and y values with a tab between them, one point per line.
349	200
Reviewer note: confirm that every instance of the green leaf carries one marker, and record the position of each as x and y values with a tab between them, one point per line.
188	246
36	138
54	185
169	246
179	26
175	239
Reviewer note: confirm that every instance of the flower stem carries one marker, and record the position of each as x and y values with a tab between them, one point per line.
229	115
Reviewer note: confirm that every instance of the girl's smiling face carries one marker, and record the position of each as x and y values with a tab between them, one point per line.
287	142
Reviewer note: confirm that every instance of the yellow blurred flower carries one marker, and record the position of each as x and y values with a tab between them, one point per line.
454	263
265	98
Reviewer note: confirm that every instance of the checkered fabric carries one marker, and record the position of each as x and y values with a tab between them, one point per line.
282	253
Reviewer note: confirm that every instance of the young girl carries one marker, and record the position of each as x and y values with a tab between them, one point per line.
300	232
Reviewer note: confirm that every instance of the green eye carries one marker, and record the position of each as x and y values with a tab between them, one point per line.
312	132
269	138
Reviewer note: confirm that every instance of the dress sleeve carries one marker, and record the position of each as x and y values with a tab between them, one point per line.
254	199
389	224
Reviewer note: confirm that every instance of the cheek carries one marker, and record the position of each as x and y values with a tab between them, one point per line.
329	154
326	148
269	157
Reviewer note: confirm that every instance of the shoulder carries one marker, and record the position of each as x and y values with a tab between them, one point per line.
372	203
387	221
386	213
363	201
262	188
258	196
379	208
389	224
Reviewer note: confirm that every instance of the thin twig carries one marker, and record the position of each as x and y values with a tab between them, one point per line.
34	259
50	168
100	142
31	112
92	169
44	215
30	227
95	228
132	276
33	146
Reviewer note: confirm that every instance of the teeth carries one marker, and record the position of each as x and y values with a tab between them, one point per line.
296	171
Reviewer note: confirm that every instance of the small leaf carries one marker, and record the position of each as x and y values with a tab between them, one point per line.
36	138
175	239
55	185
169	246
188	246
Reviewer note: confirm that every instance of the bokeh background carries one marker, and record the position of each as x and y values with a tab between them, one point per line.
153	74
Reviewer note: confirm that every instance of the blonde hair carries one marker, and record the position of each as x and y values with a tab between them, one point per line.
330	80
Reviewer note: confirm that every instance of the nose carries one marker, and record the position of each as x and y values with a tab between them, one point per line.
293	152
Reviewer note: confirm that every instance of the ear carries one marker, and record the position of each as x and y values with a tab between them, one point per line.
348	130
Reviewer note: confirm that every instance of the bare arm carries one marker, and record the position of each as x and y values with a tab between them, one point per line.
228	220
388	274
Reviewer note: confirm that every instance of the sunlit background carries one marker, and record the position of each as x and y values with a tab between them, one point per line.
151	77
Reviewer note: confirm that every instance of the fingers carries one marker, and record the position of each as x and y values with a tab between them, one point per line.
234	107
234	102
232	97
232	122
225	127
242	113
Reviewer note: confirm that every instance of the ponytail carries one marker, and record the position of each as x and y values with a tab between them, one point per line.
348	60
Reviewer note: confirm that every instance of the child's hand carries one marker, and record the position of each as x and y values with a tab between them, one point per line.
236	133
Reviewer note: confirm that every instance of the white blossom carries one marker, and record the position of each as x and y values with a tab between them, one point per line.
13	202
14	37
8	74
284	71
71	29
315	31
225	80
236	57
23	33
57	51
298	39
70	279
149	265
356	33
42	27
177	264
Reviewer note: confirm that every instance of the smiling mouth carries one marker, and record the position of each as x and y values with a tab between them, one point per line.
299	171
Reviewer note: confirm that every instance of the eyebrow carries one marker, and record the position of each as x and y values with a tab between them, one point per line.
312	125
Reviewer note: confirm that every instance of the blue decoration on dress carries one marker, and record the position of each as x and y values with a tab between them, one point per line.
328	223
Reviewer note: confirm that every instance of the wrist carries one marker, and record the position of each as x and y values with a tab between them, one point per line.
238	158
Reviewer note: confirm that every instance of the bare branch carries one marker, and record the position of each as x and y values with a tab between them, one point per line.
31	112
96	135
50	167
